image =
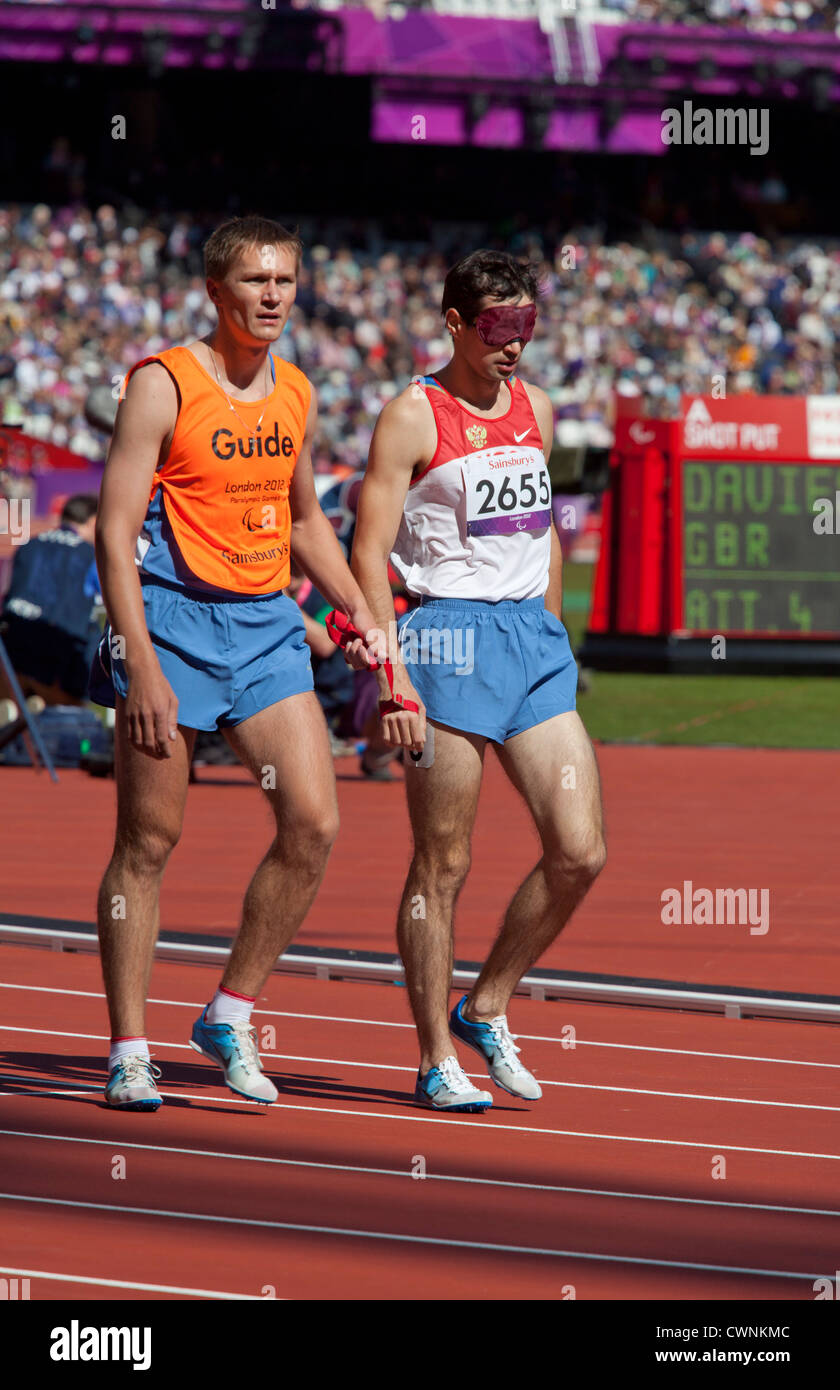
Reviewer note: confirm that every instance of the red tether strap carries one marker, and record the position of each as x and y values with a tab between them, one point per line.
342	631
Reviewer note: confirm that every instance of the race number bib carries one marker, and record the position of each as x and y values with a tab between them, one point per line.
507	491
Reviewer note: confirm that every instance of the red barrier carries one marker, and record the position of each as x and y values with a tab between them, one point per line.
22	453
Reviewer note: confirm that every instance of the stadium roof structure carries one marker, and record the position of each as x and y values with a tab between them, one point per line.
559	80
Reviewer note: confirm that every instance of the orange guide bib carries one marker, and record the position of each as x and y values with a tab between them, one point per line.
219	506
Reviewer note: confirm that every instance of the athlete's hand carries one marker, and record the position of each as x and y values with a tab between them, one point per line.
151	708
368	654
403	729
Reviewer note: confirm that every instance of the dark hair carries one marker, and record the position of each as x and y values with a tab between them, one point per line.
487	274
80	508
237	235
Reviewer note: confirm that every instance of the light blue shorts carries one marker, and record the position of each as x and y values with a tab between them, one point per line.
225	658
495	669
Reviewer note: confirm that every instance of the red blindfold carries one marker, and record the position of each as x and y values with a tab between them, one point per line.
502	325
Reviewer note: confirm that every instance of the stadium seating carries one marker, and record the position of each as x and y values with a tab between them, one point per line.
755	15
82	302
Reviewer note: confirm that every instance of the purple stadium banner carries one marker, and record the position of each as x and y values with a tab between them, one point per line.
52	488
726	47
426	64
437	45
443	123
422	43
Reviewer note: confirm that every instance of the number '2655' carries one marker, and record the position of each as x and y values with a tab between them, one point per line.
507	498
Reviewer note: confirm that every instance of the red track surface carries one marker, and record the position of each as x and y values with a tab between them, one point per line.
606	1186
623	1123
719	817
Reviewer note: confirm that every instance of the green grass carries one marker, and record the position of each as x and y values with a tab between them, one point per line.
746	711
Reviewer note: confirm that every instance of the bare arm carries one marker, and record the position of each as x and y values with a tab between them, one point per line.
554	592
544	413
142	432
405	436
315	545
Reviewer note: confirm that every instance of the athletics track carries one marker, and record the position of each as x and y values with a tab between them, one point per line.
605	1188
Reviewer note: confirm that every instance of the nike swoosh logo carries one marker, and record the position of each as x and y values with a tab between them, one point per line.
519	437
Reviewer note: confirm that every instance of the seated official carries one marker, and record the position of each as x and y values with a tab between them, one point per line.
47	622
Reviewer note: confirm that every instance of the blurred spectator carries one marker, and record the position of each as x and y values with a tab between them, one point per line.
333	677
48	624
86	294
349	699
754	15
742	14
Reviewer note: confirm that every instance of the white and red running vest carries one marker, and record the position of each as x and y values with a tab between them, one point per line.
477	521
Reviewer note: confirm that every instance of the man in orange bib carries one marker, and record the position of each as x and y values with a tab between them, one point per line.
207	490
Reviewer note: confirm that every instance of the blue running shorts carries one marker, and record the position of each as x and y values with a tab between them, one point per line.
225	658
495	669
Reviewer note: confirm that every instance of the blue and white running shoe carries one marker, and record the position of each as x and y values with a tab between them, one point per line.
131	1085
494	1042
447	1088
234	1047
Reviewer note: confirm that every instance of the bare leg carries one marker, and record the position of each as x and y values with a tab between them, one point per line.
543	763
442	802
287	749
151	794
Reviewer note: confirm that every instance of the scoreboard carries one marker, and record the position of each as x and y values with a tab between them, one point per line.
725	522
752	562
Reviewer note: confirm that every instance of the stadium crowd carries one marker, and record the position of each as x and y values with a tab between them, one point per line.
753	15
84	294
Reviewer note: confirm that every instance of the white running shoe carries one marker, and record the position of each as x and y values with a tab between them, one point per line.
494	1042
234	1047
131	1084
448	1088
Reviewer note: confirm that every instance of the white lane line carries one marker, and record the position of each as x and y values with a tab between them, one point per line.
434	1177
409	1239
390	1066
30	1091
205	1097
122	1283
528	1037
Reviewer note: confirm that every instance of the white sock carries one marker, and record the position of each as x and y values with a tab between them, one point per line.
8	712
227	1007
127	1047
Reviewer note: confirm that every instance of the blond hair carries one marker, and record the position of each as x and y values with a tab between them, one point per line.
226	244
